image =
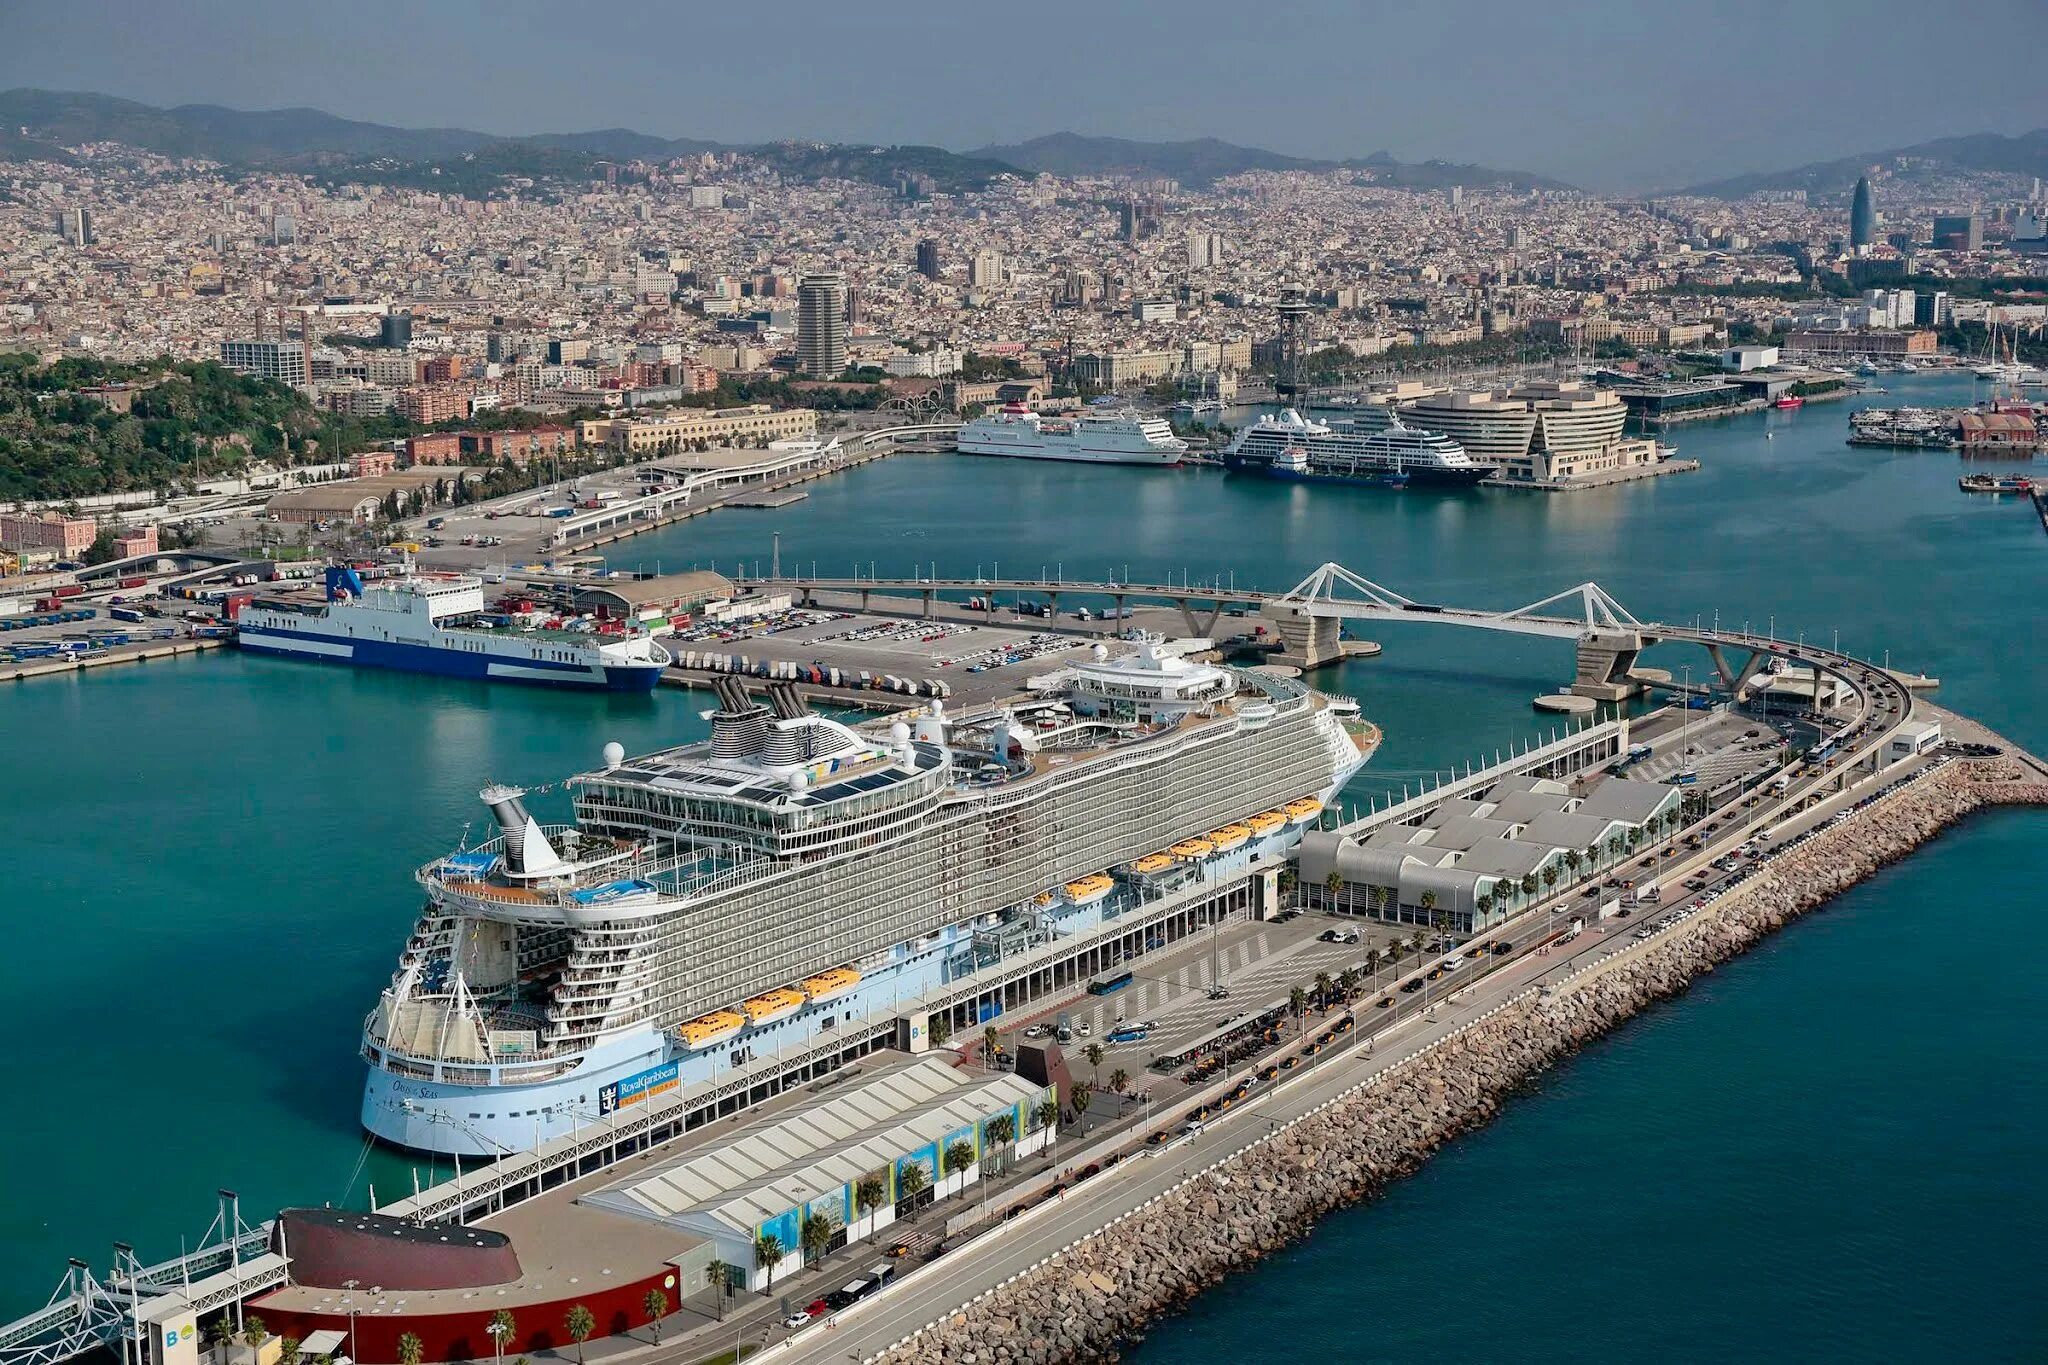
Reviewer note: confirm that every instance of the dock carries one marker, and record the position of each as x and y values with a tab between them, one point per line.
770	500
117	654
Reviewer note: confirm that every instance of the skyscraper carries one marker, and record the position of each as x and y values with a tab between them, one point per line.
821	323
986	270
1862	216
1205	250
928	258
76	226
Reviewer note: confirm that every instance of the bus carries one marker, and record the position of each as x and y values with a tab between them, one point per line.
1639	753
1109	983
1823	751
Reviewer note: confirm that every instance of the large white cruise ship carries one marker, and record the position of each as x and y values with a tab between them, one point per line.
1096	438
1378	450
421	623
795	880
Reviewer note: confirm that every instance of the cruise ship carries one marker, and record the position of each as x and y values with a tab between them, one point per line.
715	903
1096	438
1379	451
424	623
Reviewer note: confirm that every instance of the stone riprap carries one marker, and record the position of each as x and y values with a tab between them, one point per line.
1088	1302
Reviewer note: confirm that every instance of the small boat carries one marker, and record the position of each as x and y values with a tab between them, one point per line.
1230	837
1302	811
1790	400
1995	483
1089	889
1152	864
770	1006
1192	848
1266	821
830	984
711	1030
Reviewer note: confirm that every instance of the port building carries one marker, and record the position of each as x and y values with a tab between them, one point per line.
1535	432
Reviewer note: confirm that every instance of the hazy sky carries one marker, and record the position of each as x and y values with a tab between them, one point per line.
1610	94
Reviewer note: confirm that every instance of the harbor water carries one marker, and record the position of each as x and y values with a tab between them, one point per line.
1834	1141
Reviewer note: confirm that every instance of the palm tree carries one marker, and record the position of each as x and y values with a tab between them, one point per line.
1289	879
959	1156
768	1254
815	1233
1297	1002
870	1192
410	1349
910	1183
718	1276
580	1323
1046	1113
1079	1095
1094	1053
254	1335
1428	903
939	1030
500	1329
1334	883
1119	1081
990	1041
1483	903
1325	988
1347	982
1593	855
1550	877
656	1307
1380	896
1571	860
1528	883
288	1351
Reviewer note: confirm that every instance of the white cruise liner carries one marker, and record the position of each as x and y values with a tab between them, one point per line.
792	878
1287	445
421	623
1094	438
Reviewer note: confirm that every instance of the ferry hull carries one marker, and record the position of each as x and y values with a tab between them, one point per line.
449	663
1076	455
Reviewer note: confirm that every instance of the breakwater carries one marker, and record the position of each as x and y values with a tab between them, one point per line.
1084	1304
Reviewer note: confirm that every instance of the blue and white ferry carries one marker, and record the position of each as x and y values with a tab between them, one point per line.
425	623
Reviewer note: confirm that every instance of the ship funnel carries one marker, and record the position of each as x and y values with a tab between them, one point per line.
739	728
527	850
343	583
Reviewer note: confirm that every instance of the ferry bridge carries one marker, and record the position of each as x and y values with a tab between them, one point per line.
1308	619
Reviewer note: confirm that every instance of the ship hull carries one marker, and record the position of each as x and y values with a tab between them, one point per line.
1072	454
441	661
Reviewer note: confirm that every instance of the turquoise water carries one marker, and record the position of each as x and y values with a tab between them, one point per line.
211	879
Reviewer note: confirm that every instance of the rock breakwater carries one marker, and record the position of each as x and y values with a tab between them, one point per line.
1088	1302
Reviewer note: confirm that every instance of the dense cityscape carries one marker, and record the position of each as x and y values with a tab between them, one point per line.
963	749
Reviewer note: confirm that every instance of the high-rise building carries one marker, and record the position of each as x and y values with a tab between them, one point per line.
394	331
821	323
986	270
928	258
1959	231
283	228
1457	196
1862	215
1931	309
284	361
1205	250
75	225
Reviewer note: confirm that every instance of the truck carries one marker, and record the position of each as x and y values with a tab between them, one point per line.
1578	927
1647	892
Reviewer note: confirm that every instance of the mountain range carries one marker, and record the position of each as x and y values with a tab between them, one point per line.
41	123
2026	154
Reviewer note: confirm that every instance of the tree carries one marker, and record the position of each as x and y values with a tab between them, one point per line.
870	1192
102	548
411	1350
1428	903
1483	903
911	1181
1079	1095
288	1351
1334	884
959	1156
815	1233
223	1333
940	1030
1326	988
1094	1053
991	1041
1528	883
254	1334
1119	1082
1550	877
1347	981
718	1276
768	1254
1571	860
580	1324
500	1330
1297	1002
1593	855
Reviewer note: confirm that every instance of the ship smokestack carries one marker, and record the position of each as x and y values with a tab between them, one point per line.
739	728
527	850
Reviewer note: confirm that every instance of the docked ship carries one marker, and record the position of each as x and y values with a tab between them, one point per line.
429	623
1095	438
712	904
1382	450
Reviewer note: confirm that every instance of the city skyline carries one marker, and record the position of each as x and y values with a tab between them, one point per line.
1667	102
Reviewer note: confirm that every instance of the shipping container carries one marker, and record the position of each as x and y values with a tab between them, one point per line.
136	582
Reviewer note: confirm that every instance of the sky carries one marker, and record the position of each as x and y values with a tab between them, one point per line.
1610	94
